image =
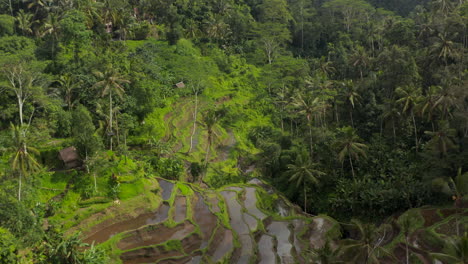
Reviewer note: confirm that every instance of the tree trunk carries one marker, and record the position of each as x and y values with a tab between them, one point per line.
352	168
19	186
351	116
415	131
336	114
194	122
207	156
20	109
407	253
305	198
110	118
95	182
310	137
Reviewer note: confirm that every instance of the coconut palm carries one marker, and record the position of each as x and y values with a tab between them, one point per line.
25	22
348	145
360	59
409	98
455	250
444	48
459	188
428	103
351	95
68	85
22	162
308	105
51	27
303	171
111	82
447	97
368	247
441	140
208	121
327	254
391	111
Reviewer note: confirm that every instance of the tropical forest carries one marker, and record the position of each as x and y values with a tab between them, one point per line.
233	131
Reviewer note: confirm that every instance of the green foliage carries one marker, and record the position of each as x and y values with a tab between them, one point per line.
8	250
7	25
169	168
83	131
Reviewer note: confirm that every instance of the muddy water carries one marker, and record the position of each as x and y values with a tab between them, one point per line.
160	216
282	233
224	246
213	201
251	221
317	235
238	224
166	189
299	226
147	255
235	213
153	235
250	203
204	218
246	251
265	248
144	219
282	208
233	188
180	208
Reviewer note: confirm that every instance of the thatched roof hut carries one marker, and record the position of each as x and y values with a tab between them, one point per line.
70	157
179	85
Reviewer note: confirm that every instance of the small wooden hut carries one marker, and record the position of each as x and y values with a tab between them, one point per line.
70	157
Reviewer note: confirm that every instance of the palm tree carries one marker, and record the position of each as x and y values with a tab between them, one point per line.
68	85
410	96
51	27
326	254
428	103
303	171
208	121
455	250
441	140
459	188
348	144
308	105
22	162
111	82
390	111
360	59
447	97
367	248
407	225
351	95
25	22
444	48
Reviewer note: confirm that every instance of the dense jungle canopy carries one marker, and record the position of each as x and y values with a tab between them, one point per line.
336	131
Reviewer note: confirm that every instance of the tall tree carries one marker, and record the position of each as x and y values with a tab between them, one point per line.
365	248
23	83
409	98
308	105
25	22
111	82
209	120
455	250
303	171
351	95
348	145
22	162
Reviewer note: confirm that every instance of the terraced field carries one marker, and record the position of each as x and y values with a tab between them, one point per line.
194	225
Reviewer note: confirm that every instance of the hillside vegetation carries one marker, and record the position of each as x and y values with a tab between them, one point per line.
284	130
